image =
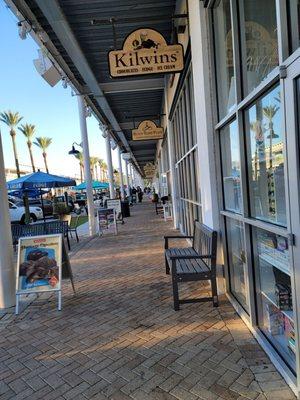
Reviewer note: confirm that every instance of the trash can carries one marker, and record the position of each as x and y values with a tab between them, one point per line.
125	208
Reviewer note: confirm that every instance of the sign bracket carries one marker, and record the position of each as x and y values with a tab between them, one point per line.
113	21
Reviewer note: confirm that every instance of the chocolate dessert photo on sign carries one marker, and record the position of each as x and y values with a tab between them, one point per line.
39	267
145	51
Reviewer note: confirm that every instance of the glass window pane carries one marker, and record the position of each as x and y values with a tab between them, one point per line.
193	113
293	9
237	261
231	167
259	41
274	292
265	159
224	57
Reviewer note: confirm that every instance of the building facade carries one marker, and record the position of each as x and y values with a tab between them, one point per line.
233	117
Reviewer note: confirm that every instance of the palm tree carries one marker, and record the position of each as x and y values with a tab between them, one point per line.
256	127
79	157
93	163
28	131
270	112
104	169
43	143
101	165
11	119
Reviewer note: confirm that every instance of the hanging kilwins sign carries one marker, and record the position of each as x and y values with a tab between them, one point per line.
147	130
145	51
149	170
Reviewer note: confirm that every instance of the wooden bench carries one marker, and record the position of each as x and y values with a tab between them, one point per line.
196	263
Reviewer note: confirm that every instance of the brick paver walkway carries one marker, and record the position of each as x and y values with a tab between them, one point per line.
119	337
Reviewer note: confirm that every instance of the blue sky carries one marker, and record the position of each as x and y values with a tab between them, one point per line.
52	110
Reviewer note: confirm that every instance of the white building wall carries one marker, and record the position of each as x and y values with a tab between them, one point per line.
203	105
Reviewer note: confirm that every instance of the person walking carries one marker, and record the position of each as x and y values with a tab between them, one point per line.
140	194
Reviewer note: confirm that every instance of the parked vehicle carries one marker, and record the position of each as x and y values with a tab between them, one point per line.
81	200
62	199
13	199
17	213
48	205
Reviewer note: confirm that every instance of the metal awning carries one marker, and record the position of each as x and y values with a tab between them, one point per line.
82	47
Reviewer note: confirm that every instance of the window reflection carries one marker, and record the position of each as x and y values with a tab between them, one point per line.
237	261
259	41
265	159
231	167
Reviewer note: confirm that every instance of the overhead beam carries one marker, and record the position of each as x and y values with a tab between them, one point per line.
146	152
58	22
133	86
132	125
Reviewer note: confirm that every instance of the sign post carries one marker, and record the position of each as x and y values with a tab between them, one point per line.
39	267
116	205
107	219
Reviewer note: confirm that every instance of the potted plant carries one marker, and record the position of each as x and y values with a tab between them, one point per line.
62	210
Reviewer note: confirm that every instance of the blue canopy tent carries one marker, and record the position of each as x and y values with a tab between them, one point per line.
40	180
95	185
31	193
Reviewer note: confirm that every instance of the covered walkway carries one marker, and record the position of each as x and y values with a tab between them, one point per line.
119	338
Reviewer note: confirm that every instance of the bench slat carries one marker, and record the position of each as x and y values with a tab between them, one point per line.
187	266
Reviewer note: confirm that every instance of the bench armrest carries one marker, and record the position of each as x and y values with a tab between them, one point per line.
188	257
175	237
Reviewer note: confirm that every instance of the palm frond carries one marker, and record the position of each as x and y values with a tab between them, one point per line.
79	156
93	161
28	130
43	142
270	111
10	118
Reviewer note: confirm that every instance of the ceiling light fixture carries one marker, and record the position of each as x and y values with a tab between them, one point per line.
24	28
64	82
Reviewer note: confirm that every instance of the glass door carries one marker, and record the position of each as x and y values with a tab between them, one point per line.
292	126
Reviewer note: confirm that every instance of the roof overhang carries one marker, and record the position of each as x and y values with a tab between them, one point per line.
80	48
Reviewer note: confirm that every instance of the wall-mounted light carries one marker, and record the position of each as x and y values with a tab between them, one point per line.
105	132
64	82
113	144
88	111
73	151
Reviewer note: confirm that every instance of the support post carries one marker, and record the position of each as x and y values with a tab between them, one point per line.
171	152
109	167
7	270
86	163
121	174
127	177
131	175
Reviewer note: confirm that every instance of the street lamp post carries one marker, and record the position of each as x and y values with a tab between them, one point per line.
86	162
121	174
109	166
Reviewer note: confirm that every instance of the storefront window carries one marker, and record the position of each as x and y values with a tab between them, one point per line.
274	292
224	57
266	159
293	9
183	123
237	261
231	167
259	41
